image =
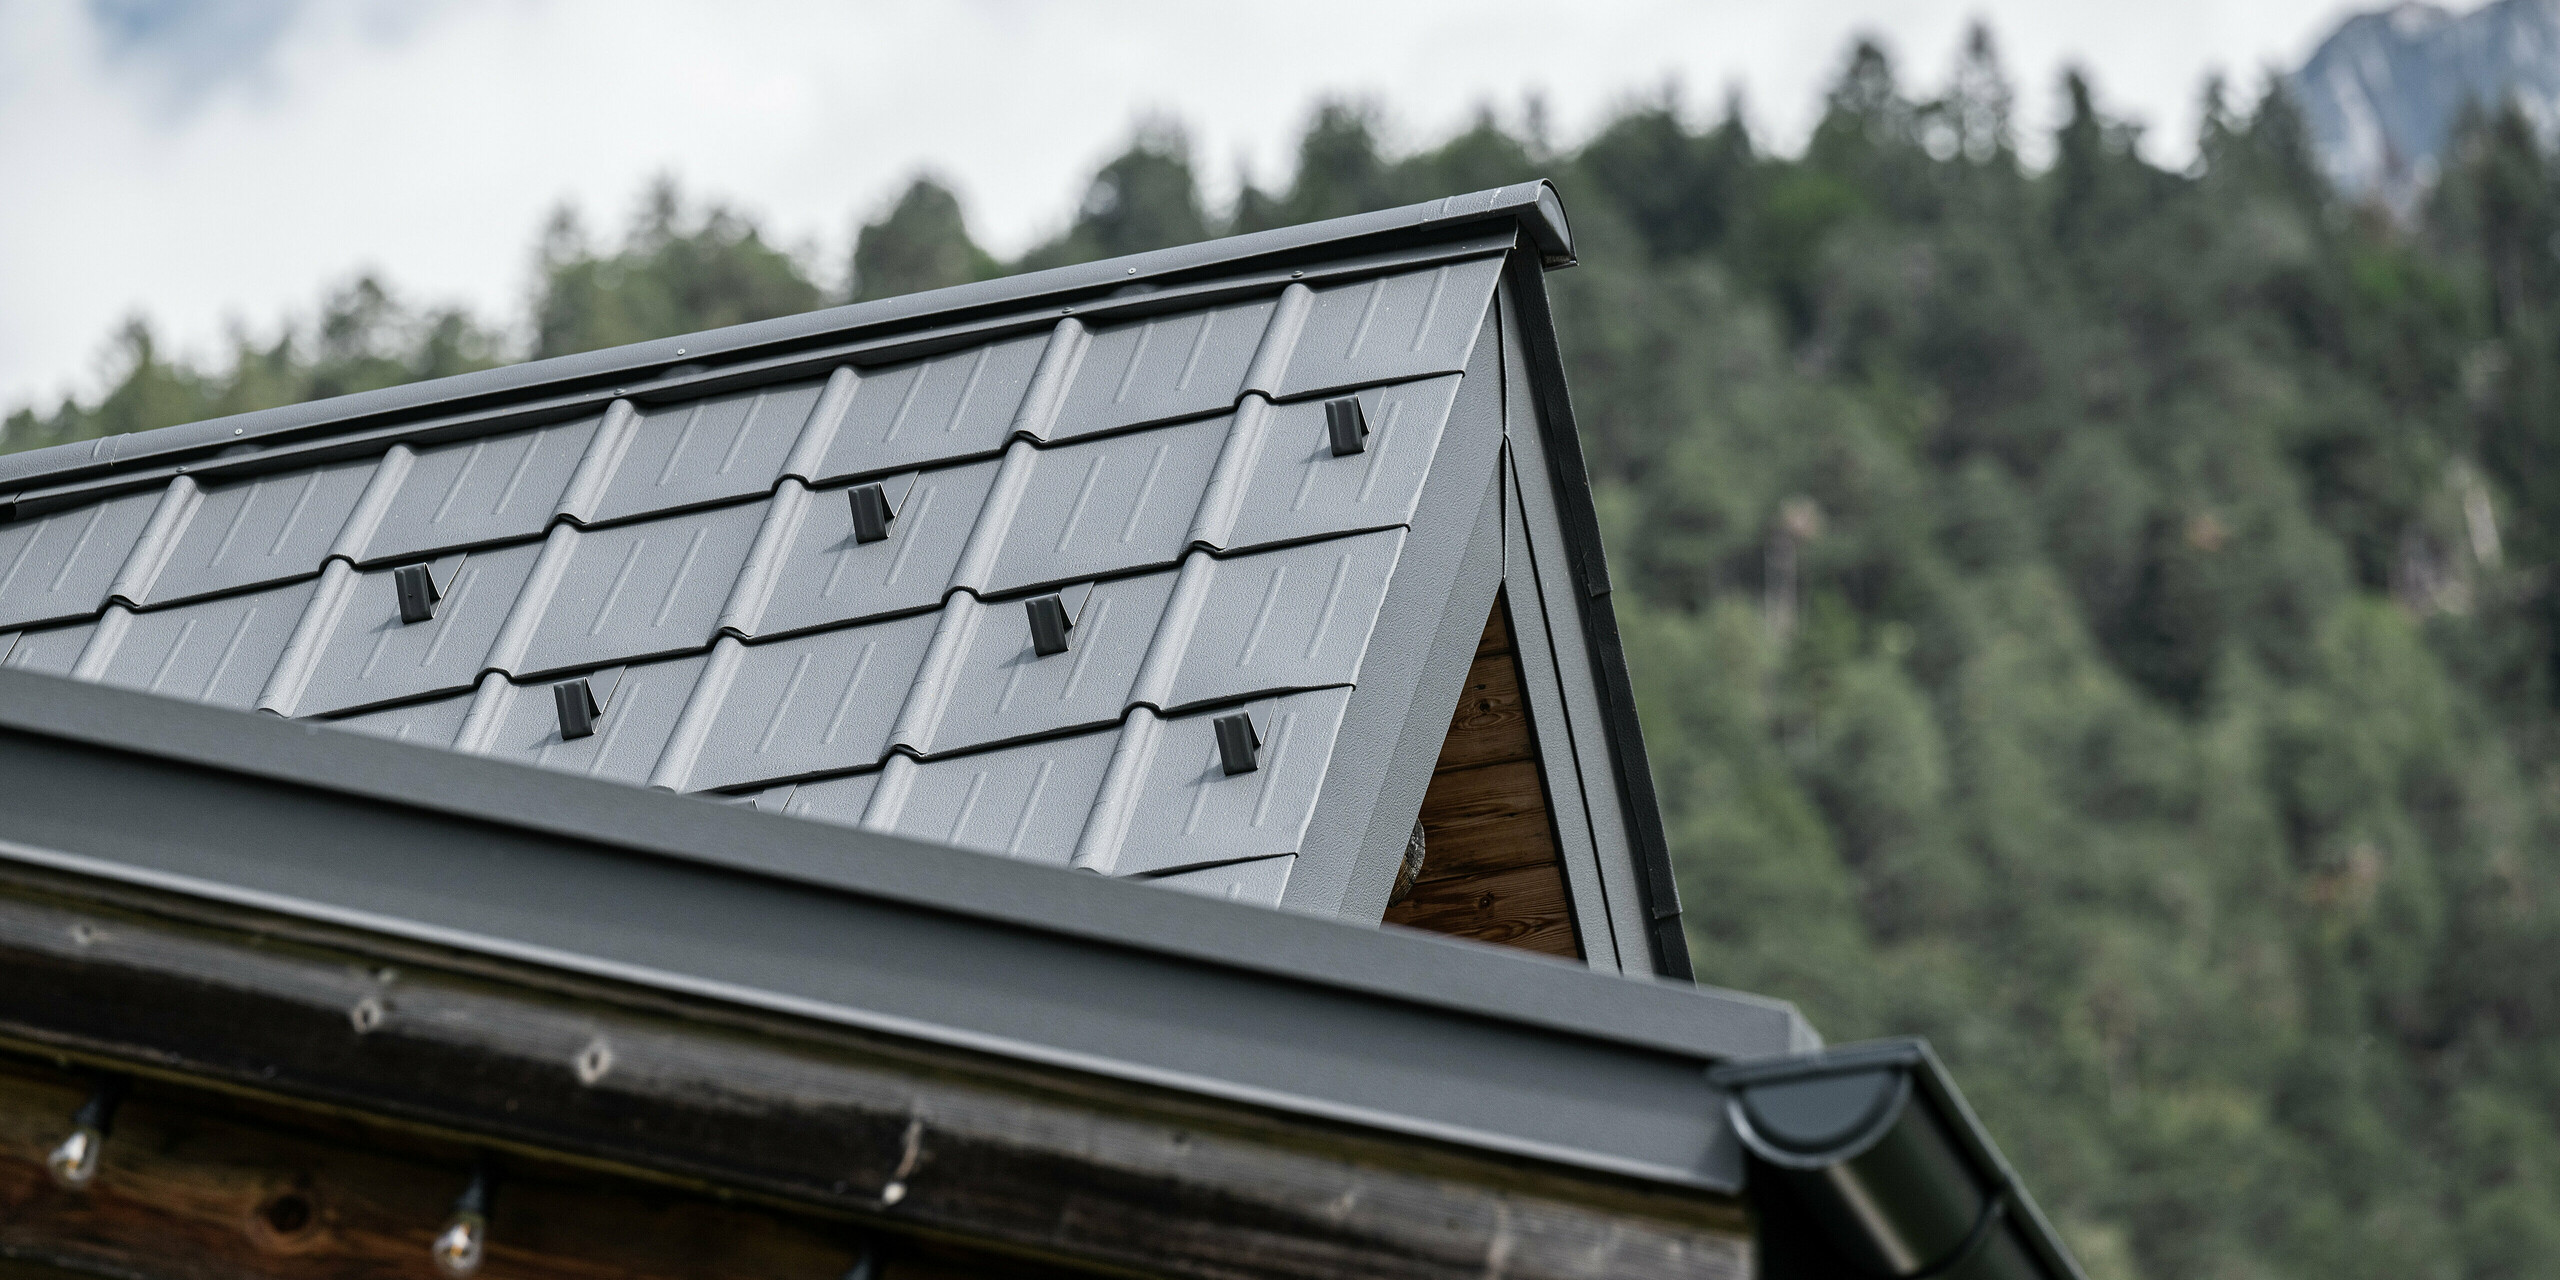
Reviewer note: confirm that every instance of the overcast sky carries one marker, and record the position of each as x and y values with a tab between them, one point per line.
210	162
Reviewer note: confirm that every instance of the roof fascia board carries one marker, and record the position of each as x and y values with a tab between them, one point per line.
1543	409
1416	664
1527	212
1576	787
1412	1034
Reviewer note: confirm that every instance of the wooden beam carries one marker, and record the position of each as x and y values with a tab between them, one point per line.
191	1188
684	1104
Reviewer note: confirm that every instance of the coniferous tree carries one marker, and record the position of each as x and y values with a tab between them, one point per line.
921	243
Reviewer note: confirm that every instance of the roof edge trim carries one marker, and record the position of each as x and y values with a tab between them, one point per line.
1532	207
1658	884
1395	966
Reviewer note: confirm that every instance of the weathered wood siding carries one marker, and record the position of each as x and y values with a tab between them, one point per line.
1492	872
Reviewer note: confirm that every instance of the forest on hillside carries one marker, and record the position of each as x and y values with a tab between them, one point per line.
2098	616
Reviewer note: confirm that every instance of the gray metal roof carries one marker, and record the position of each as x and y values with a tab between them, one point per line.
1157	457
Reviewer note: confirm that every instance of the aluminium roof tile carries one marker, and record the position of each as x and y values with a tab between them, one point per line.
203	540
991	686
702	451
357	652
218	650
59	566
53	651
808	570
817	703
841	800
472	492
1295	618
693	557
958	405
1168	803
1159	369
1295	487
626	591
1102	506
1028	801
1389	327
519	721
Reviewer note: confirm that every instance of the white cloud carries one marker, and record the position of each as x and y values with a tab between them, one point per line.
430	148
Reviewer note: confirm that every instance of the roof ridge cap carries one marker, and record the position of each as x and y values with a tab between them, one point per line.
1533	207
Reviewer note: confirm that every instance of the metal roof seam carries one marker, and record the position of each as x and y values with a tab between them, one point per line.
1115	802
375	503
1153	684
977	563
1213	524
1036	414
605	450
132	583
1205	864
809	453
515	635
676	761
1279	340
291	676
900	750
937	677
103	643
889	800
753	591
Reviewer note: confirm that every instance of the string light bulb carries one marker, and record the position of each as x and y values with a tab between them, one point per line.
458	1248
74	1164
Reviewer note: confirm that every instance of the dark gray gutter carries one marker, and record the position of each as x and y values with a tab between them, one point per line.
1865	1161
1531	208
1492	1050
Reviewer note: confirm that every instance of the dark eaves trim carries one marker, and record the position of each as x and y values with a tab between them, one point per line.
1438	1038
1581	519
1532	208
1867	1160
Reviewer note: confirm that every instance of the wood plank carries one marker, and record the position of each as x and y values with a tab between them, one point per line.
1497	628
1524	907
189	1188
1489	818
1491	723
1492	869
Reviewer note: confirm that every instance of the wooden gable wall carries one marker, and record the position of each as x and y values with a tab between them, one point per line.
1491	869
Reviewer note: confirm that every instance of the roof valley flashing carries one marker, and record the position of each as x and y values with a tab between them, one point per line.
800	564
